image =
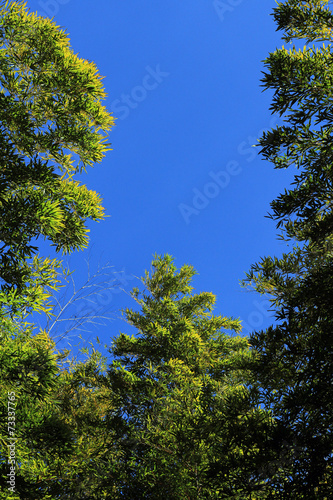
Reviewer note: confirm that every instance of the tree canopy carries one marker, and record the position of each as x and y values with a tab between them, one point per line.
187	407
295	360
190	426
52	125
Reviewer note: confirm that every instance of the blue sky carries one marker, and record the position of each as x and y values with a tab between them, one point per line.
183	79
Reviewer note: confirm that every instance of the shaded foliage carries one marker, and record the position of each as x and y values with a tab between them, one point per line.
295	362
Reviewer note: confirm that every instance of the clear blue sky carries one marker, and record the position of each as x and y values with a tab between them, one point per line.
183	78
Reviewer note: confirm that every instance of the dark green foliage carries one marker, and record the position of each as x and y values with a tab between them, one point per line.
295	362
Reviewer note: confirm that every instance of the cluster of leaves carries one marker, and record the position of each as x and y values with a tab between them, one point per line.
52	125
173	413
191	428
295	358
59	431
